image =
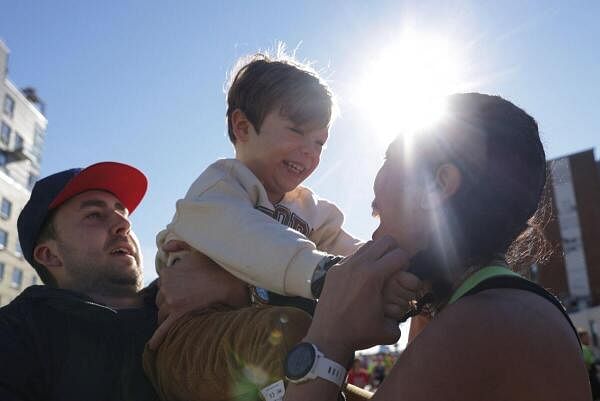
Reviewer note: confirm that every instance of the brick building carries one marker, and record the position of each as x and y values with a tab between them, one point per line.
573	271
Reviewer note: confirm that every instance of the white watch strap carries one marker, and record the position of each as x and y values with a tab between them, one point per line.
329	370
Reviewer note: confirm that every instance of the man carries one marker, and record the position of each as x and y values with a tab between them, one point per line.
81	335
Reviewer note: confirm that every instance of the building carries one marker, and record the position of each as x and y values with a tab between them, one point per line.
572	272
22	131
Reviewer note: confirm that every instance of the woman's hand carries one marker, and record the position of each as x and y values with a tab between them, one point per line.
352	313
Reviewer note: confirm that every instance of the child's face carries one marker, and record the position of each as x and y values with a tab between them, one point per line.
283	155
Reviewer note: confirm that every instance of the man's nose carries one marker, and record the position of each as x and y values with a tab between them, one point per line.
121	224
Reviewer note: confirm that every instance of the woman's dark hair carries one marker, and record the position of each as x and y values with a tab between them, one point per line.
497	148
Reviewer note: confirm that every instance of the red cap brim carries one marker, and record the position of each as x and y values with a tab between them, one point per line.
127	183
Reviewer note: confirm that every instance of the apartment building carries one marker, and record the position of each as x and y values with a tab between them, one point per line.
22	132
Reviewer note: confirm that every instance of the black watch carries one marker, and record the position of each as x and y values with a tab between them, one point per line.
318	278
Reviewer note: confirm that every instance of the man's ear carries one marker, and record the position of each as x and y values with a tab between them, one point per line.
445	184
46	254
241	126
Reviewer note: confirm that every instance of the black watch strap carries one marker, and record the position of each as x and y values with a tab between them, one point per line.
318	278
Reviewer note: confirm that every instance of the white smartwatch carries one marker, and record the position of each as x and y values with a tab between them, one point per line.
305	362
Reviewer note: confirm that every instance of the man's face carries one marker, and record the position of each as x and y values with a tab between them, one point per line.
99	252
283	155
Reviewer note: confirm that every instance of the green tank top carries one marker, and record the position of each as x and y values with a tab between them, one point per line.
492	277
479	276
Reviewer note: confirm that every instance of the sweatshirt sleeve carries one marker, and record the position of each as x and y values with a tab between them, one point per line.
218	217
330	236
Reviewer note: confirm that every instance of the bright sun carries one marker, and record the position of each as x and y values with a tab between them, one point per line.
404	88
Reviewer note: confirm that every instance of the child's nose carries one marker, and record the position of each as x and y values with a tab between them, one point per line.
311	148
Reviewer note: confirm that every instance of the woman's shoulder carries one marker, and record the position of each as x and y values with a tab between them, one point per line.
497	344
522	316
521	336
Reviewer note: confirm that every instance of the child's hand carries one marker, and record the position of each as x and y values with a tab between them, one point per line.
400	294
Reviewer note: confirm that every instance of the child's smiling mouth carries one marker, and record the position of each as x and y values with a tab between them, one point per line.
294	167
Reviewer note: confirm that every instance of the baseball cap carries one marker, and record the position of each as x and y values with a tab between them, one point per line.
126	182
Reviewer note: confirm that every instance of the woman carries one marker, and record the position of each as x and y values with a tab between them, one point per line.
459	202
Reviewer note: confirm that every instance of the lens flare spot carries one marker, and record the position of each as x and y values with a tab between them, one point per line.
255	375
275	337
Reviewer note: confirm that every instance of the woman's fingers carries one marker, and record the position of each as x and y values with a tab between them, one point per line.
353	297
382	247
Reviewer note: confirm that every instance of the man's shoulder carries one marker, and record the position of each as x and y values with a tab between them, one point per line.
18	313
26	299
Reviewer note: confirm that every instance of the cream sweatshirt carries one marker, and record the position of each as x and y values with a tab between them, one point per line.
227	216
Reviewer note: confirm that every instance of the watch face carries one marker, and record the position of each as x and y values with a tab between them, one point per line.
299	361
260	295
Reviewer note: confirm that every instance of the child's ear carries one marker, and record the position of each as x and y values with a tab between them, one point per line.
242	127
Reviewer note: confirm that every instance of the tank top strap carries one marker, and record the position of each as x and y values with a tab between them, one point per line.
481	275
494	277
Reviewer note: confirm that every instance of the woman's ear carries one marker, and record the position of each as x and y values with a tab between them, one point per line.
448	179
241	126
446	183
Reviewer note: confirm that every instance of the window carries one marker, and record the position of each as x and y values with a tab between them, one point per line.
9	105
3	239
5	208
18	141
18	250
38	143
3	159
17	278
1	271
32	179
5	133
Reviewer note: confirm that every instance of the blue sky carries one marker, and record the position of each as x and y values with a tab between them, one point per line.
142	81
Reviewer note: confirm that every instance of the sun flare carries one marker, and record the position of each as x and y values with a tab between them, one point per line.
403	89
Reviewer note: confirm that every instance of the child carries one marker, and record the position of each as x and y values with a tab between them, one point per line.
252	217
